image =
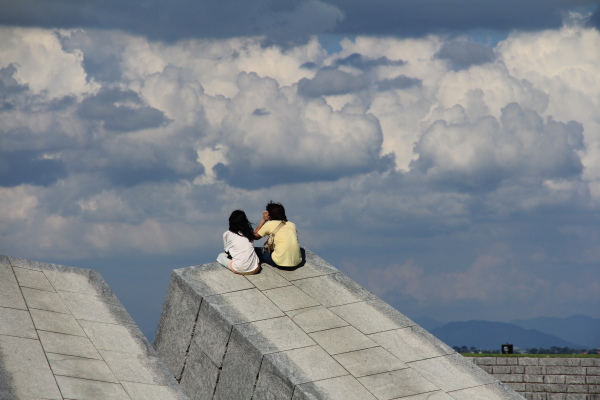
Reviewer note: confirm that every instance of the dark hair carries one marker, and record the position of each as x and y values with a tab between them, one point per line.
276	211
239	224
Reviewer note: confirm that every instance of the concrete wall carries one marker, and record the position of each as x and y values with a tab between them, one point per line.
309	333
547	378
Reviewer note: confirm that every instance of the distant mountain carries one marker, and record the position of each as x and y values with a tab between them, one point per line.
428	324
578	328
491	335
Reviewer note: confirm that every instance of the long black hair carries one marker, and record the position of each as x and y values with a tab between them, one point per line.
239	224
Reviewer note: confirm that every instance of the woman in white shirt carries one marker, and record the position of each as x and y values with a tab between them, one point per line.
239	255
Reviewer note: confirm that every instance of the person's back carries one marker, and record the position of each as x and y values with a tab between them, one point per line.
284	235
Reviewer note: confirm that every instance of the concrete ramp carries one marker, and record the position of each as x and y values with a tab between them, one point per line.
64	335
310	333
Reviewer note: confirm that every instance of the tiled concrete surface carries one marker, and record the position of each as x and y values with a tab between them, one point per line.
64	335
309	333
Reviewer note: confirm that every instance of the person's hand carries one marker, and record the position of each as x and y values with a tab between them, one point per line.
265	215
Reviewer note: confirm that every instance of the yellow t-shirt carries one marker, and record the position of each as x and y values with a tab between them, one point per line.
287	248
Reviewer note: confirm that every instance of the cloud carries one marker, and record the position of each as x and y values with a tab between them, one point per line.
462	53
330	82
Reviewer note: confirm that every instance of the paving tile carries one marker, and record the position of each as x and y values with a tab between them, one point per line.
32	279
60	343
372	316
315	319
141	391
78	367
200	375
123	338
93	308
290	298
55	322
212	279
275	334
305	365
341	388
453	372
177	323
411	344
244	306
16	322
77	280
396	384
137	368
314	266
44	300
439	395
493	391
342	340
25	373
333	290
22	263
76	388
267	279
212	333
369	361
10	294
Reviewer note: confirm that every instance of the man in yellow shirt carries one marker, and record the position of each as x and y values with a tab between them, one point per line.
284	234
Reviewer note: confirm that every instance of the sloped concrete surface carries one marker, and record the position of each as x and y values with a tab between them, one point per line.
309	333
64	335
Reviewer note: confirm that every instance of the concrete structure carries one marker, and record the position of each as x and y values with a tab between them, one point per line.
309	333
64	335
553	378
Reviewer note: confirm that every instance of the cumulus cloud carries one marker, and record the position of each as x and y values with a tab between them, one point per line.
397	158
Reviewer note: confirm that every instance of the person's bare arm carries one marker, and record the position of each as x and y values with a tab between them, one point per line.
265	218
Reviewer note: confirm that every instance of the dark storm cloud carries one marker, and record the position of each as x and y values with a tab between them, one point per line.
29	167
462	54
361	62
328	82
106	106
284	21
399	82
239	175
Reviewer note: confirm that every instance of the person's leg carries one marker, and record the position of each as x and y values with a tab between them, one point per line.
223	260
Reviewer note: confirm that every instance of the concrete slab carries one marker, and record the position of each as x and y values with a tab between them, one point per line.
244	306
314	266
211	279
70	345
439	395
276	334
342	340
16	323
177	324
77	280
137	368
76	388
370	361
212	333
24	371
268	279
94	308
386	385
22	263
305	365
55	322
492	391
34	279
290	298
44	300
77	367
342	388
10	294
316	319
412	344
333	290
372	316
200	375
141	391
452	372
122	338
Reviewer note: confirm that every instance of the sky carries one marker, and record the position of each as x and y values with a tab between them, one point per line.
445	155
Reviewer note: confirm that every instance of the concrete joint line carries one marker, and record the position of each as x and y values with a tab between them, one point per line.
187	351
